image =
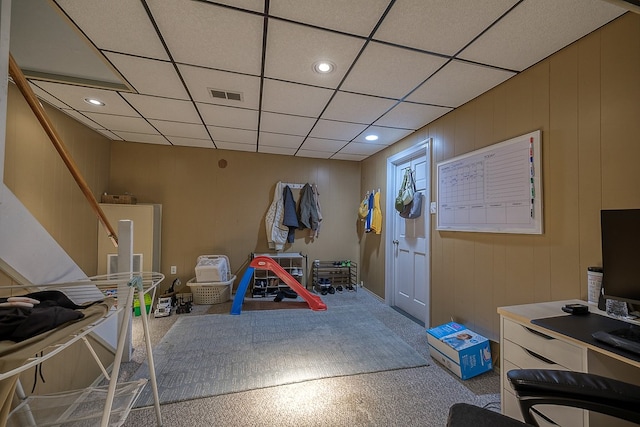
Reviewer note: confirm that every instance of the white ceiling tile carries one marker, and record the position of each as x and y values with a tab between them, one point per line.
44	96
390	71
457	83
204	34
441	26
217	44
329	129
217	115
362	149
277	150
280	140
386	136
536	29
187	130
353	17
351	107
293	49
322	145
82	119
122	123
287	124
165	81
349	157
240	136
200	80
120	25
254	5
411	116
190	142
142	137
314	154
235	146
291	98
74	97
152	107
109	134
37	50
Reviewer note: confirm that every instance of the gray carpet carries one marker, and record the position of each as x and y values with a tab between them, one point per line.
211	355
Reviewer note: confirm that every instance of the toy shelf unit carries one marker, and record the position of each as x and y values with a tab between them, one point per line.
339	275
267	284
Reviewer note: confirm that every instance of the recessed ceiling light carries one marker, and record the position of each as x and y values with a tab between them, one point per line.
94	101
371	137
323	67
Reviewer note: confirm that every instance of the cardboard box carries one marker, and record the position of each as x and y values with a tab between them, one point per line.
461	350
124	199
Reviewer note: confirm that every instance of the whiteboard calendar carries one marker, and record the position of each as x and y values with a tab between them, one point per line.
496	189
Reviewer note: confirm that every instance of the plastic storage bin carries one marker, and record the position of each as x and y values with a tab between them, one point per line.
211	292
212	268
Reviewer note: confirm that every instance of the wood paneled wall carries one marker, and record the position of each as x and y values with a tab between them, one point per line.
34	172
586	101
215	210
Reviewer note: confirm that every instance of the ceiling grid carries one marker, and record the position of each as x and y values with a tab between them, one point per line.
397	65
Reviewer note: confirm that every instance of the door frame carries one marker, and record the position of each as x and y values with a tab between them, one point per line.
421	148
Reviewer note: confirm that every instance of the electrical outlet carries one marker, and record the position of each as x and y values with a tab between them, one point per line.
174	269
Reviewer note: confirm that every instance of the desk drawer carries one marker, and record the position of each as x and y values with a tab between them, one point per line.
525	358
557	351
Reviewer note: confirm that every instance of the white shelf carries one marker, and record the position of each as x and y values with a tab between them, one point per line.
266	283
77	407
104	406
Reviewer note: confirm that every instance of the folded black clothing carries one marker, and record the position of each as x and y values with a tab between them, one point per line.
55	308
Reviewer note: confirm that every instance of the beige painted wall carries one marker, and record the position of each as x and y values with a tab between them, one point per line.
586	101
35	173
210	210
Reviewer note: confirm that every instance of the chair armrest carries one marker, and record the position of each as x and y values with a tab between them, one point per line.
465	415
577	389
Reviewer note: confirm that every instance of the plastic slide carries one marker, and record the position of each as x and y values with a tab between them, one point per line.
263	262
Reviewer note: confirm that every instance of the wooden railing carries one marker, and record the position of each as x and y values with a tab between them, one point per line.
21	82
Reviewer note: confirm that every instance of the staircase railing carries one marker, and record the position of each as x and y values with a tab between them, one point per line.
21	82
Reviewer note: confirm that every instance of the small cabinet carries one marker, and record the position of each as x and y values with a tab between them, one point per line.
328	274
267	284
147	226
524	347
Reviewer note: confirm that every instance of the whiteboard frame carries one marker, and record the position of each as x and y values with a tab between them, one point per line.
536	226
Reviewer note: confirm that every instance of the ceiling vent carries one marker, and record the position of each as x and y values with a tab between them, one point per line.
225	94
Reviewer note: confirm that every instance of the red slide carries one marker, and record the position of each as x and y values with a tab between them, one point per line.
266	263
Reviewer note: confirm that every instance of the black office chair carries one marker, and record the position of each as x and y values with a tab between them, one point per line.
550	387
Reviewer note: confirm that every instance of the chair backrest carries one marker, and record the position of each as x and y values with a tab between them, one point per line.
576	389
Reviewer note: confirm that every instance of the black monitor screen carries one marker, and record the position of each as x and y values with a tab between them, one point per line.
621	254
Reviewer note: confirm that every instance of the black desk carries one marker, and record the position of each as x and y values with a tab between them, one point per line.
581	327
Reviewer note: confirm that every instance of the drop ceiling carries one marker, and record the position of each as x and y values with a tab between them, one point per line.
399	65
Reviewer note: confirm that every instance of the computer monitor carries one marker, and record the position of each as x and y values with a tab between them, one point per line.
621	255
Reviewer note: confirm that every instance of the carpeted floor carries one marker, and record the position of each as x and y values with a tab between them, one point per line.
217	354
251	304
419	396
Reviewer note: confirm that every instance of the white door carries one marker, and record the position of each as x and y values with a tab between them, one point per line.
408	252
